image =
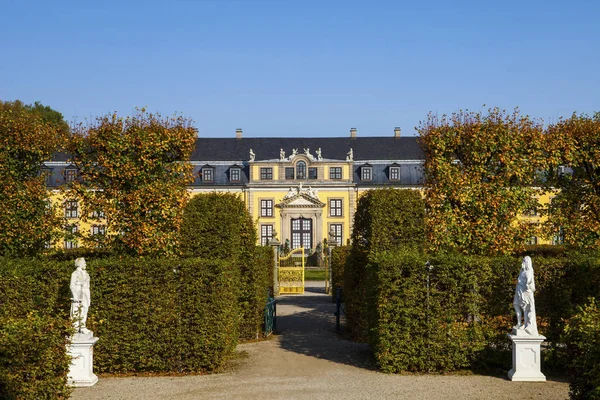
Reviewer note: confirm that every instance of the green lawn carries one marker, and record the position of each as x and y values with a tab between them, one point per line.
314	275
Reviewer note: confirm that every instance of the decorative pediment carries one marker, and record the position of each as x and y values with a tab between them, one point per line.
298	197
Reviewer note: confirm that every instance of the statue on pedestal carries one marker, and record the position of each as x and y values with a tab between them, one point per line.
80	301
523	300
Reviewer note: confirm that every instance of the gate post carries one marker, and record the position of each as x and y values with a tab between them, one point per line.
275	244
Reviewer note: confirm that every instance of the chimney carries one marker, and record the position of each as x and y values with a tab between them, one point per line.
397	131
238	133
352	133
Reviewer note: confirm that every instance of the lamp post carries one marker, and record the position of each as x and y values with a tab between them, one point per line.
274	243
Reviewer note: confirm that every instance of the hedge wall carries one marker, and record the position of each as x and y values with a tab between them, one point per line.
34	325
218	225
163	315
388	218
582	336
338	263
385	219
469	312
414	328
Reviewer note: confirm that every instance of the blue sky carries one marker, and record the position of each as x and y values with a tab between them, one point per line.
302	67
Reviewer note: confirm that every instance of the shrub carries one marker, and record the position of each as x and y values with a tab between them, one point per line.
582	335
34	327
338	262
218	225
385	219
388	218
256	285
424	320
163	315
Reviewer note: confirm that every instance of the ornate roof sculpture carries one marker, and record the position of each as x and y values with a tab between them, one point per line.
298	197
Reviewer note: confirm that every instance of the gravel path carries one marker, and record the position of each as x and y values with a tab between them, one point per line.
308	360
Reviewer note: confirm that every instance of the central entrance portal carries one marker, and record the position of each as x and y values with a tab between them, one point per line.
302	233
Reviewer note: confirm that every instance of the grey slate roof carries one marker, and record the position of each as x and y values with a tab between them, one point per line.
364	148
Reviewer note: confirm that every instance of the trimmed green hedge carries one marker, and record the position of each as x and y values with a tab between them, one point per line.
582	336
385	219
218	225
338	263
424	321
388	218
34	326
469	312
163	315
256	286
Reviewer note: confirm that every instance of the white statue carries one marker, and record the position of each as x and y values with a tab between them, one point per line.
350	155
318	151
290	193
523	301
81	300
294	152
313	192
252	155
281	155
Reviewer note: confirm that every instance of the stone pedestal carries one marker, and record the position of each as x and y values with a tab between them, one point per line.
526	357
81	351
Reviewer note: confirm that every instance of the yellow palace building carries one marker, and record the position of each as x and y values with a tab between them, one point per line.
302	188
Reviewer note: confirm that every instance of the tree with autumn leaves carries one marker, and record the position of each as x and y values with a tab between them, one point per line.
481	171
574	175
28	137
133	177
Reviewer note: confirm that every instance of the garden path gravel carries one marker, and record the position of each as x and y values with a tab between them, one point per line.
308	360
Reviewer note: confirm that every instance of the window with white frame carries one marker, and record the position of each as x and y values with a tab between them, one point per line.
394	173
234	174
335	173
337	230
266	234
266	207
266	174
70	175
366	173
97	214
207	174
98	230
70	238
71	209
335	207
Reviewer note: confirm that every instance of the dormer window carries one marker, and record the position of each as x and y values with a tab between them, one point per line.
394	173
301	170
70	175
234	174
366	173
208	174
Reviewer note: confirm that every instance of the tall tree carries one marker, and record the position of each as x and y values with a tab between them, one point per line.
27	221
480	169
574	176
135	171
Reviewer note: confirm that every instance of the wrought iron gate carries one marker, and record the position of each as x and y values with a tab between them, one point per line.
291	272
